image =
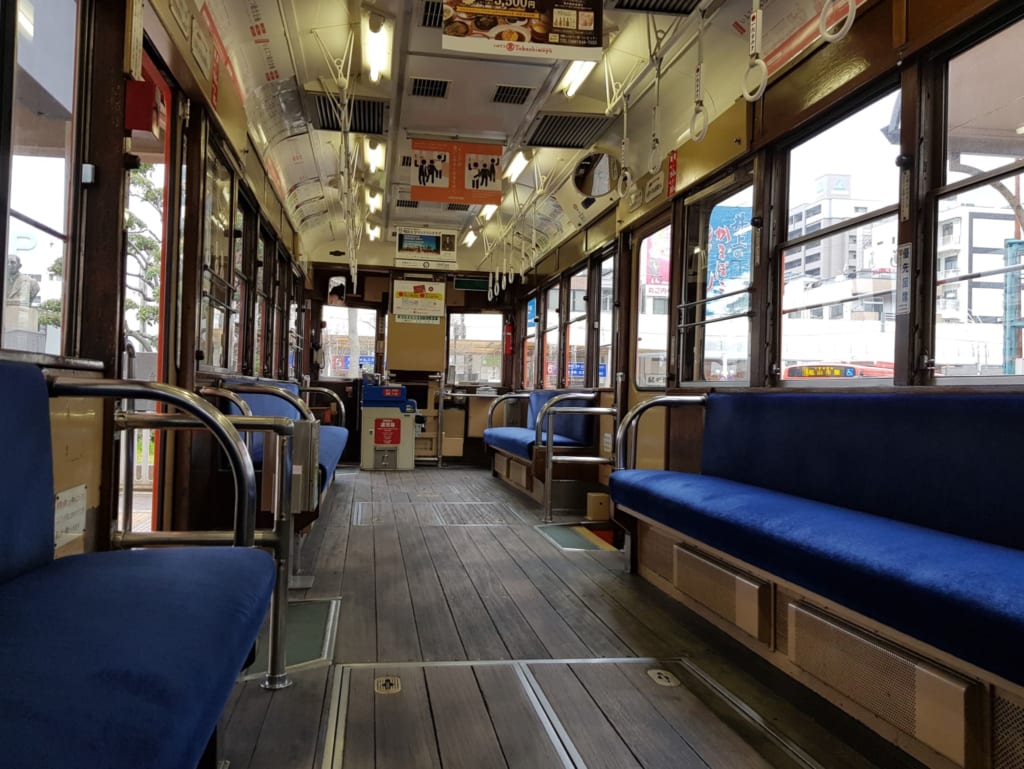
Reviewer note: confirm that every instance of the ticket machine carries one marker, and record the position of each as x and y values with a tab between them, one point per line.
388	429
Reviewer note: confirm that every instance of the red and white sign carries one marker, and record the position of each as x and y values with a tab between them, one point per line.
387	431
673	171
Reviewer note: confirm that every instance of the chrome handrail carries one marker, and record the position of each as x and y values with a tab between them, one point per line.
333	395
549	453
538	428
506	397
631	421
225	433
267	388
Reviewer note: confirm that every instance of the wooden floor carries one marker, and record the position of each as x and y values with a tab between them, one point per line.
491	647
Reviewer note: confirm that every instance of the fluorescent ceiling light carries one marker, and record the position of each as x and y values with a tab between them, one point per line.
575	76
488	211
374	201
516	167
374	152
373	230
470	238
377	33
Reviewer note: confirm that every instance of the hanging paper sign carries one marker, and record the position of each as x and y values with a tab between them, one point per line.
455	172
553	29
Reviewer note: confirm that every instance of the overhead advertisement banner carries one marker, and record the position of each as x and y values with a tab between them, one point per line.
426	249
455	172
552	29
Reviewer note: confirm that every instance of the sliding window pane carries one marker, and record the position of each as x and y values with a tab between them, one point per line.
474	348
605	321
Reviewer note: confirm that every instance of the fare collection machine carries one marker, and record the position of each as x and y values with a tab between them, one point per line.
388	429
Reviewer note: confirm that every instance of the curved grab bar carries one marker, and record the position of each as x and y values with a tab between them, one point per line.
826	11
330	394
543	415
225	433
229	395
499	399
631	421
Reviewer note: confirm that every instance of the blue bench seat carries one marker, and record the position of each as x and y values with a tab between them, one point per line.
898	506
571	430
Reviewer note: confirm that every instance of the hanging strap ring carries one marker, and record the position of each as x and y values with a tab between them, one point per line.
757	66
826	12
700	117
625	181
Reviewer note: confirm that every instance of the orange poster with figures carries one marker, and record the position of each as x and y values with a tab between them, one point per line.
455	172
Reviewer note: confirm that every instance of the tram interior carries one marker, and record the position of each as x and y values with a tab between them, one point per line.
441	256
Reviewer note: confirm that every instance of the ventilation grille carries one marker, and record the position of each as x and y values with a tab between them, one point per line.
1008	729
367	116
435	89
407	203
458	206
568	131
734	597
872	675
433	14
656	6
511	94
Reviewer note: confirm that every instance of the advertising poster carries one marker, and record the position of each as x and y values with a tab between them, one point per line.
455	172
551	29
419	298
428	249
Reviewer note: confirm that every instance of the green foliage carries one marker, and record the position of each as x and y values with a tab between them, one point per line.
50	313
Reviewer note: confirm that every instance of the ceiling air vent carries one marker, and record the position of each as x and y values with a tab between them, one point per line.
655	6
422	86
433	14
367	116
407	203
458	206
568	131
511	94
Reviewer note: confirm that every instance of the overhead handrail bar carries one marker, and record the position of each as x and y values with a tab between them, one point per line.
225	433
625	435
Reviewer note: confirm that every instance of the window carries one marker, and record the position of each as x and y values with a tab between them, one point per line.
552	332
349	339
720	318
41	139
474	347
576	331
849	292
654	260
217	260
979	247
530	345
265	250
605	322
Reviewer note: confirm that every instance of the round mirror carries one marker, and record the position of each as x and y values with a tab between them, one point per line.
596	175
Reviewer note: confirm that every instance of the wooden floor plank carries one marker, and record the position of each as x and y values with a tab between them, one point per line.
330	543
553	631
479	636
238	736
594	737
720	745
516	633
600	639
438	635
357	620
289	736
524	741
465	734
404	732
639	724
359	738
397	639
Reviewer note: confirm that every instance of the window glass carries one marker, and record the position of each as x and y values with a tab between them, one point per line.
41	142
982	119
576	332
349	341
723	319
605	321
551	338
839	290
654	259
474	347
530	345
217	259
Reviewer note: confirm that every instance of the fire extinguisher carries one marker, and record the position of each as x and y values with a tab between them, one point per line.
508	338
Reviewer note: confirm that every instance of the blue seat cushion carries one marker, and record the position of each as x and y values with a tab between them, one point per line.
574	427
332	443
519	440
125	659
960	595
